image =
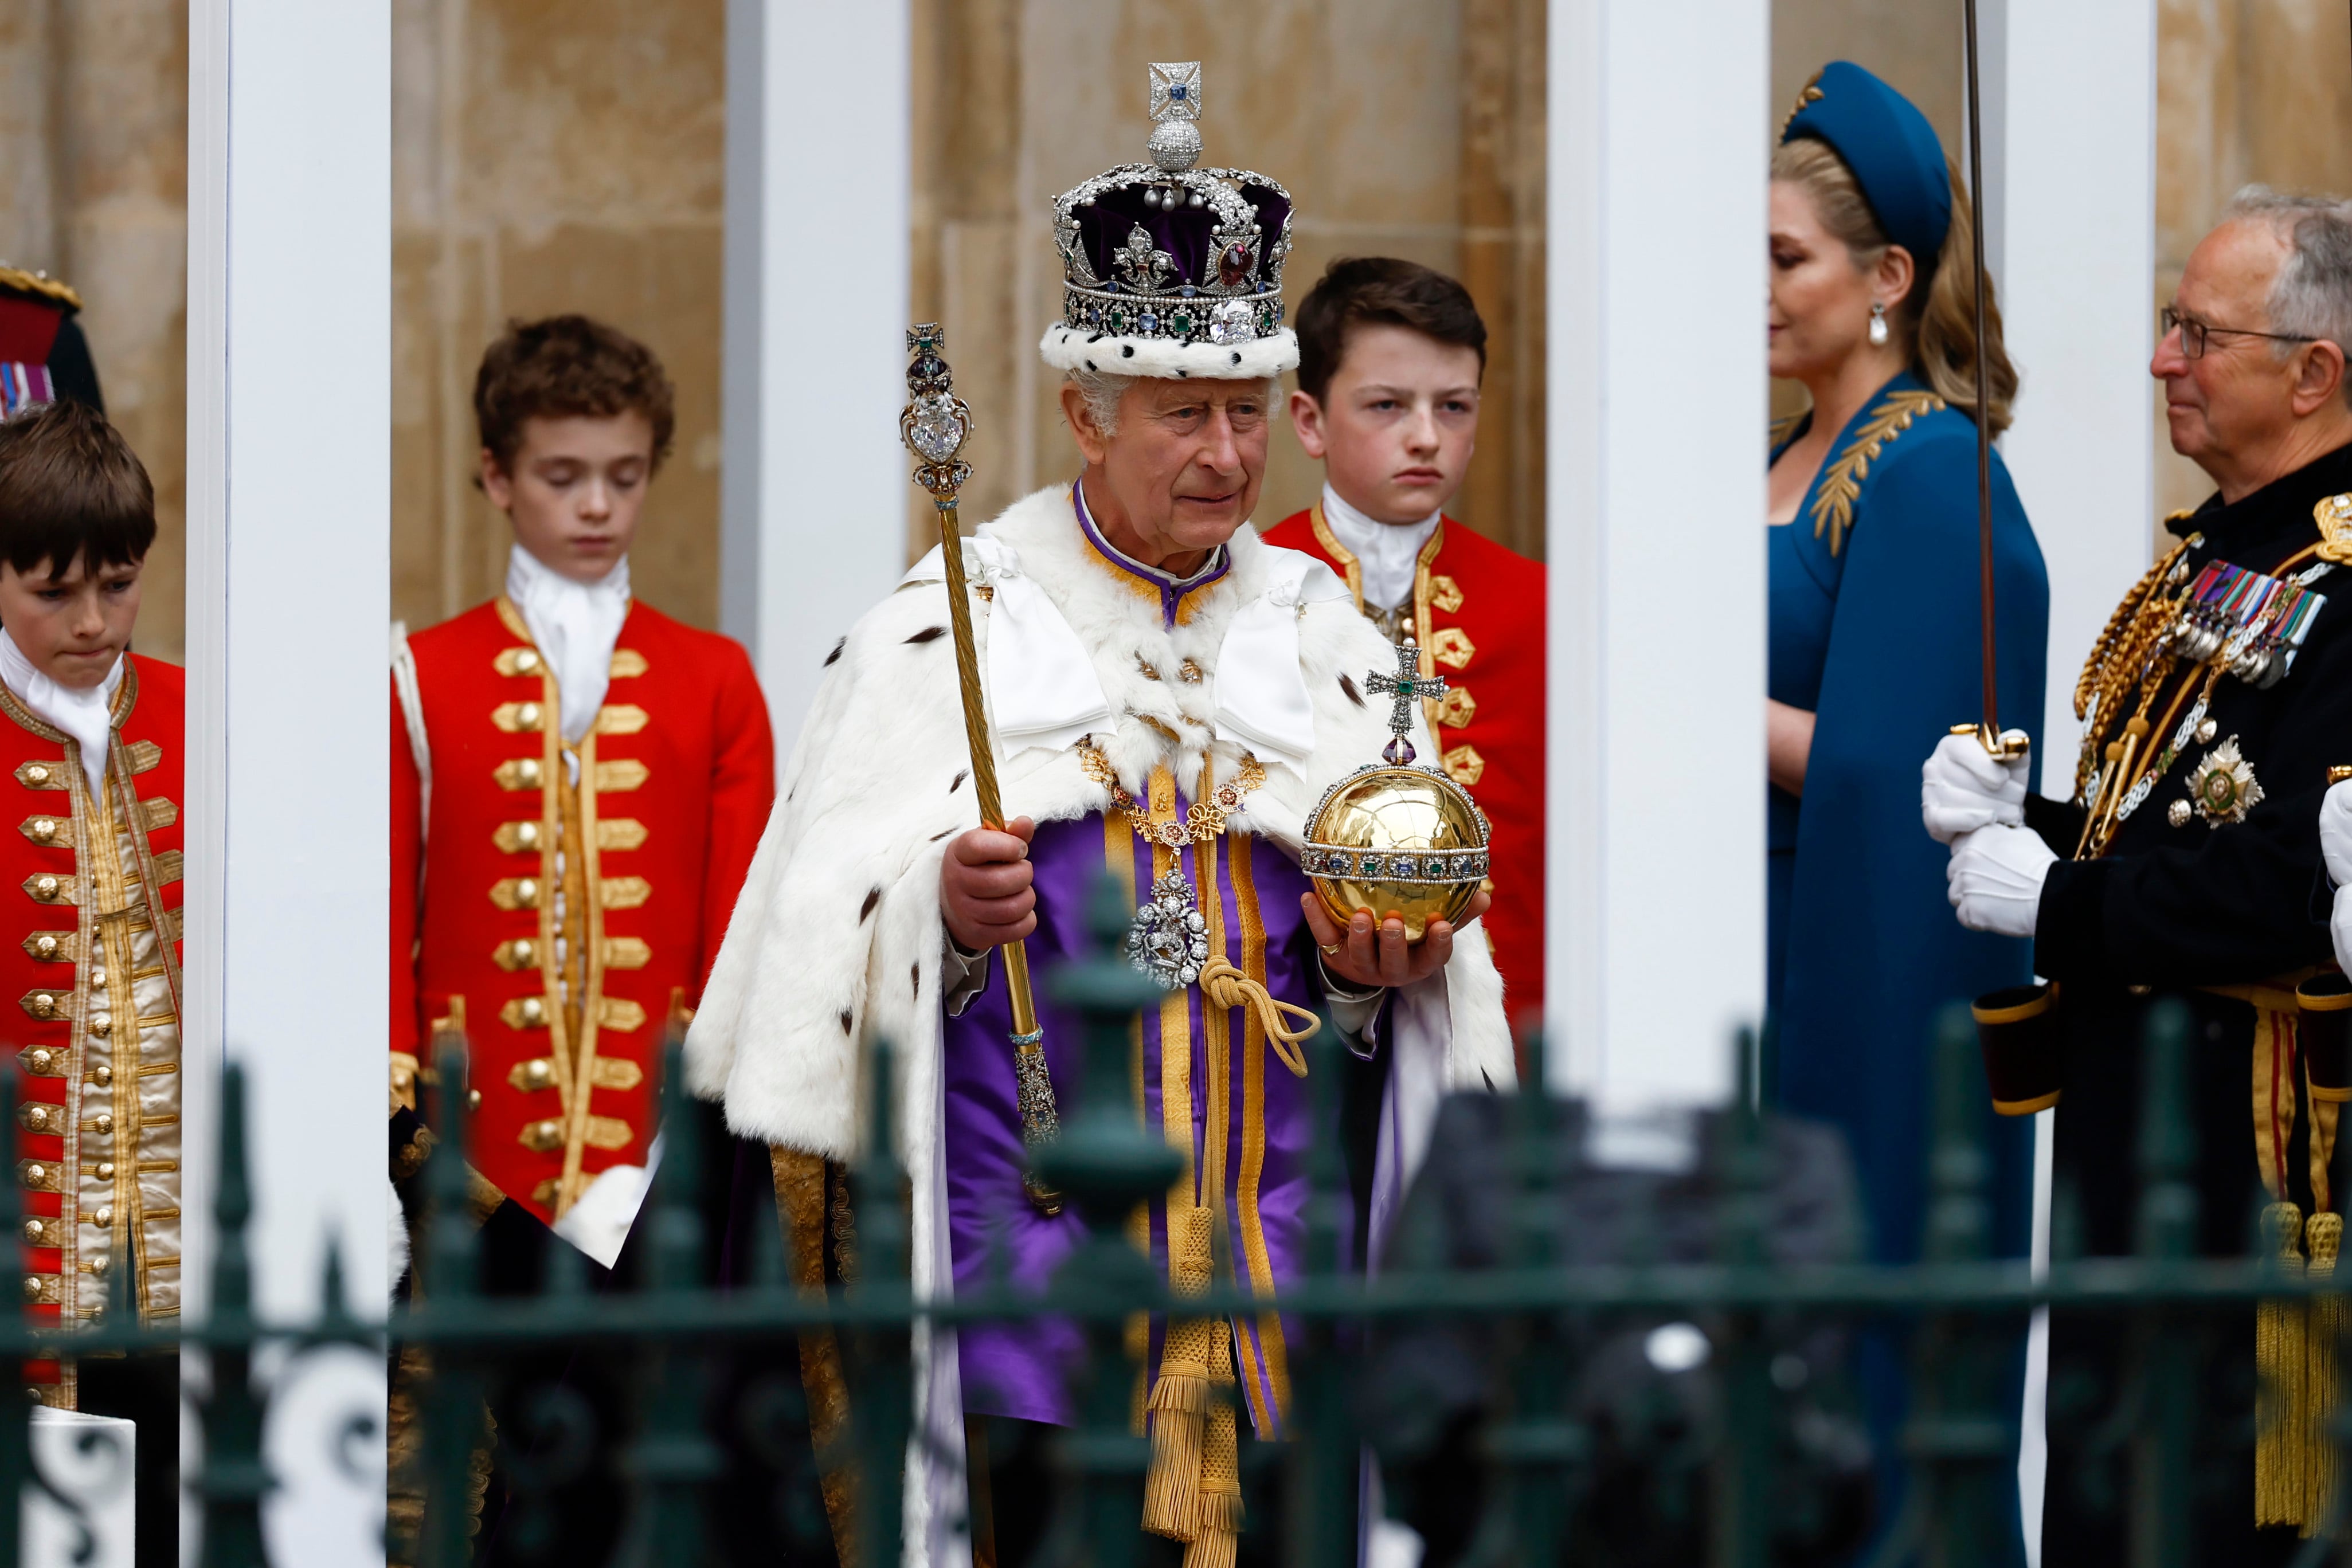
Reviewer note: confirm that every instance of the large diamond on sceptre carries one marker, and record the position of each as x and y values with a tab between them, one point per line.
1393	838
936	423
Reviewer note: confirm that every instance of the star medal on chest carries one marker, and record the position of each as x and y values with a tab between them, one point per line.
1168	938
2222	787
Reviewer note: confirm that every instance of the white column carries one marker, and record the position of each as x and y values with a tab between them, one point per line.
2070	236
1659	133
814	491
288	597
2073	199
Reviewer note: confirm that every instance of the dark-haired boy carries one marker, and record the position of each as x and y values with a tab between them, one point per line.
92	781
1390	354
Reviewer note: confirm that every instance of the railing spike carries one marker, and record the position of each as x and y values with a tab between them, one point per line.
235	1477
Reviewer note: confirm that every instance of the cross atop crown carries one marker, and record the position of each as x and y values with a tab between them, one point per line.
1407	684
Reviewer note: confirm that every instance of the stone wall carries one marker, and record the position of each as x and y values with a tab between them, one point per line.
551	155
2246	90
93	190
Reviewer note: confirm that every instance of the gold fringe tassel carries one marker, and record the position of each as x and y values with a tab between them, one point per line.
1179	1403
2281	1409
1217	1509
2323	1234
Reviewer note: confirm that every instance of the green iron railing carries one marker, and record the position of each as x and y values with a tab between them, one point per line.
1960	1441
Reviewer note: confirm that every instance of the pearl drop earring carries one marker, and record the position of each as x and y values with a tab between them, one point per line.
1877	324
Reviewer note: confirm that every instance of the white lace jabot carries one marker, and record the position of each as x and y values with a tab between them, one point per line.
576	625
1386	553
84	715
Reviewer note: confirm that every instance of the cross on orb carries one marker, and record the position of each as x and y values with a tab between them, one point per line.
1404	687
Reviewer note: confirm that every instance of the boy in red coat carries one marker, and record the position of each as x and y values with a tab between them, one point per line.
92	771
579	782
1390	358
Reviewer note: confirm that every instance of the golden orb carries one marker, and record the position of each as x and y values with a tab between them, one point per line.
1399	841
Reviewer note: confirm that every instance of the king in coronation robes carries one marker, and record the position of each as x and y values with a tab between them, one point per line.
1170	697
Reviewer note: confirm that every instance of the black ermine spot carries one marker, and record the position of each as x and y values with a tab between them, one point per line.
1349	686
961	774
929	634
845	1020
867	908
835	655
942	833
914	977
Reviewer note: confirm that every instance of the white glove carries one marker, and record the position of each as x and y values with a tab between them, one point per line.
2335	833
2339	928
1995	879
1963	788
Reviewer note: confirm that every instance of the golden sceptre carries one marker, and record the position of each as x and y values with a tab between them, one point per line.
935	426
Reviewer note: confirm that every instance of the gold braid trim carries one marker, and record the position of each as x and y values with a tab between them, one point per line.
1841	483
24	282
2120	657
1810	93
802	1182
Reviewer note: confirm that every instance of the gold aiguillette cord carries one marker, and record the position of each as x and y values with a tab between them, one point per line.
935	426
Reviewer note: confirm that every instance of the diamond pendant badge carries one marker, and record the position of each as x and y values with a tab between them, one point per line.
2223	786
1168	939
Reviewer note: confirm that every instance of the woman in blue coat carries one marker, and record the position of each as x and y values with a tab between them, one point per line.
1875	649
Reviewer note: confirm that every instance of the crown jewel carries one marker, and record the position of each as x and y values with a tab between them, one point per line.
1170	269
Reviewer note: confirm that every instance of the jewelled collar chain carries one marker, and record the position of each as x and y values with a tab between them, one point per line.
1205	819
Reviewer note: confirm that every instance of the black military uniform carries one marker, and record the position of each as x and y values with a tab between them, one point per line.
2195	822
43	354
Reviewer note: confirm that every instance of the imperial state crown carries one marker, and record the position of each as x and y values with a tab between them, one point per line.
1170	270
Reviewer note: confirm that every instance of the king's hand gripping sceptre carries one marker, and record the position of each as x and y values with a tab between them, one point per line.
935	426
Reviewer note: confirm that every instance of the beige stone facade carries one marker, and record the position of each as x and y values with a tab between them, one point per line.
93	189
554	154
2246	90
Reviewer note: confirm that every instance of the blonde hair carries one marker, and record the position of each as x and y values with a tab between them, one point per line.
1937	319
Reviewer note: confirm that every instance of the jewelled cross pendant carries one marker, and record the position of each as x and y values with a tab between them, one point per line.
1404	687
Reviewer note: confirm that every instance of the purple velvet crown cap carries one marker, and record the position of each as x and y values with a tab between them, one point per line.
1170	270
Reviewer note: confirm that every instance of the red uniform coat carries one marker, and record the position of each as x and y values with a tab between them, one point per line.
1479	608
93	964
558	919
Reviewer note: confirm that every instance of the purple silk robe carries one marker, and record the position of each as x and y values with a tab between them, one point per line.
1019	1370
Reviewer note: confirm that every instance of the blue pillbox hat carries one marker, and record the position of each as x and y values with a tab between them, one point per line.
1891	149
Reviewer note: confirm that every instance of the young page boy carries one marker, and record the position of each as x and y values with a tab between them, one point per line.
579	782
1390	358
91	765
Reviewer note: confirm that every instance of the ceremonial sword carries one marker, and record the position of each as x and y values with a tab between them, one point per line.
935	425
2013	743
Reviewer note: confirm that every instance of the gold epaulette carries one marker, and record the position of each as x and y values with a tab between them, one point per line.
40	283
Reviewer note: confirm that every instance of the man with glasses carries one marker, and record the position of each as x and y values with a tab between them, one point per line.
2185	866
